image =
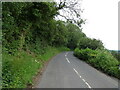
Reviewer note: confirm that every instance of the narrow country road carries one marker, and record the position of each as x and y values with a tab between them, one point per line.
66	71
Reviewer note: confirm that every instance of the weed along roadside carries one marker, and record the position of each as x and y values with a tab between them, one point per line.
32	34
22	69
40	72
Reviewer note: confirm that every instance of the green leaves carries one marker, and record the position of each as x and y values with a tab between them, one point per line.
100	59
85	54
29	28
27	23
19	69
93	44
74	35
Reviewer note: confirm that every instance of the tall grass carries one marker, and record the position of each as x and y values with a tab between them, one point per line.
20	68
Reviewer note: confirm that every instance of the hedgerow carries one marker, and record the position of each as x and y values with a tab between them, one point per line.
101	59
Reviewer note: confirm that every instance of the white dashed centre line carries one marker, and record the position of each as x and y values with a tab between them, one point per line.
81	78
84	80
67	60
88	85
78	73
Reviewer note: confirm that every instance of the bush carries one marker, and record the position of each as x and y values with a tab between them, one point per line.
85	54
116	54
77	52
90	43
18	70
105	62
100	59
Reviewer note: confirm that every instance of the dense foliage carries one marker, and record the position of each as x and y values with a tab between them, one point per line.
90	43
116	54
20	69
100	59
32	35
30	24
85	54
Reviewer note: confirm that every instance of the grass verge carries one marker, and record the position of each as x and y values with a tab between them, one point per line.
20	68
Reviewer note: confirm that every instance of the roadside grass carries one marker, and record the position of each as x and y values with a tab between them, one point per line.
51	51
102	60
19	69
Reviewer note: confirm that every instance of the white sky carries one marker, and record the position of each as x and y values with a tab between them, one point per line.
102	21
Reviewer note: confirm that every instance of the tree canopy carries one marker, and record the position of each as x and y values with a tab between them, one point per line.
28	24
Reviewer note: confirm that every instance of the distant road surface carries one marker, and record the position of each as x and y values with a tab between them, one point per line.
66	71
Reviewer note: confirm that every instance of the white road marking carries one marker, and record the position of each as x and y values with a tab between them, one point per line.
81	78
76	71
67	60
66	54
88	85
84	80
